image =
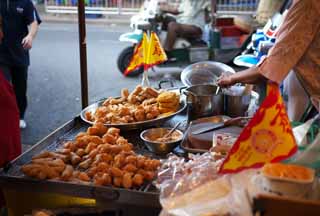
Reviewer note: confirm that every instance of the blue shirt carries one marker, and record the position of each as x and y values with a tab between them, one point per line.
16	16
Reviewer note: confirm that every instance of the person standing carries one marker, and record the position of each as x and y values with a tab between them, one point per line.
16	41
294	59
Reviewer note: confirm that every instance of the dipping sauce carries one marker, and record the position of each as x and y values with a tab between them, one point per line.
161	139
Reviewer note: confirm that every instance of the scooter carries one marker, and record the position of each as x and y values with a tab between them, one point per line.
184	52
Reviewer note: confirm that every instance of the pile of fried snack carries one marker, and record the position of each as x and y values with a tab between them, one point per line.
139	105
99	155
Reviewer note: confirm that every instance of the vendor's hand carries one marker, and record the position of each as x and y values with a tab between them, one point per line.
27	42
225	81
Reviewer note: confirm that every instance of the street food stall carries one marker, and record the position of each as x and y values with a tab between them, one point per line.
194	150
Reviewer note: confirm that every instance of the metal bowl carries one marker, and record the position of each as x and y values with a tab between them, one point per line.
206	72
160	147
135	125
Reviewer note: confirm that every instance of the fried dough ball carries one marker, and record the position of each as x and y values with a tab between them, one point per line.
127	180
85	164
130	168
103	167
64	151
131	160
75	159
104	157
84	177
70	145
116	172
67	173
91	146
114	131
119	160
92	171
88	116
137	180
139	115
121	141
109	138
80	152
117	181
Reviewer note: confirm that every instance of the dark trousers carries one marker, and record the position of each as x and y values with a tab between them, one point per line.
18	76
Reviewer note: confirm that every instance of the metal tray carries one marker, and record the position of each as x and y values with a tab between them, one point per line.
135	125
12	178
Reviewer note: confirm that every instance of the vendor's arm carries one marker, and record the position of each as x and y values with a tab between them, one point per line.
33	20
295	35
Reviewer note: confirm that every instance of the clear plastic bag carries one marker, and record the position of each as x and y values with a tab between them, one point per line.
196	188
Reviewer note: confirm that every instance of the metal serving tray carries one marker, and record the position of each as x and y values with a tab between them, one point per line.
12	178
135	125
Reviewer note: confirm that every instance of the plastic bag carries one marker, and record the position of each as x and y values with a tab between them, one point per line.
300	132
196	188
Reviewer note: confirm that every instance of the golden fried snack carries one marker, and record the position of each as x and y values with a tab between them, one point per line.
172	105
127	180
108	138
63	151
91	146
116	172
67	173
85	164
114	131
131	159
92	171
166	97
137	180
117	181
165	110
80	152
70	145
152	92
130	168
84	177
107	180
103	167
93	153
45	154
75	159
88	116
95	139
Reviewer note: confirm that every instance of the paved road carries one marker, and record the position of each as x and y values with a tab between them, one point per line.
54	77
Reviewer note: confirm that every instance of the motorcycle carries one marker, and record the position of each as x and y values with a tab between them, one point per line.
184	52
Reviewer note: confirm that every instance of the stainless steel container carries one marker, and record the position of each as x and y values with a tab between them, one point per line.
236	106
160	147
202	101
236	102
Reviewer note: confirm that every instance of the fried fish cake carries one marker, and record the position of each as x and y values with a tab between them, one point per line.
166	97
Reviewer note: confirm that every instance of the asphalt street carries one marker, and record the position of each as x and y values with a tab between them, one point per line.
54	75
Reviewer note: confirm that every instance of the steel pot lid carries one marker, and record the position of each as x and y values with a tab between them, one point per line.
206	72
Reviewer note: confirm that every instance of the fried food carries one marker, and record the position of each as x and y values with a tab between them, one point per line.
67	173
167	97
101	158
139	105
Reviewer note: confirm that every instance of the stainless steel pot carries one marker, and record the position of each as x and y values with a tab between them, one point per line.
202	101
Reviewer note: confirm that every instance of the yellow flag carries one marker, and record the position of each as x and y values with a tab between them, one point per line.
156	54
140	55
267	138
